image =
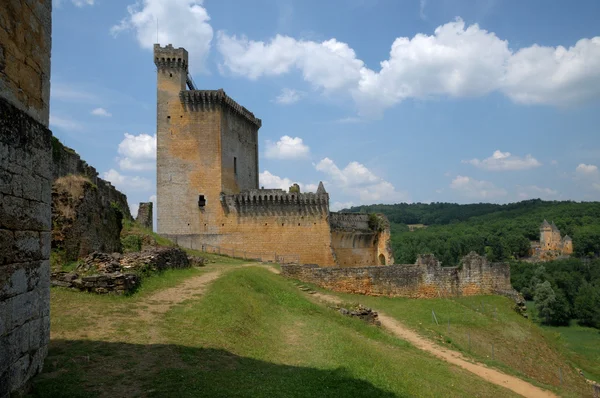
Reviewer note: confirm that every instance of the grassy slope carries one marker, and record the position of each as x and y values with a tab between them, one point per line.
520	346
252	334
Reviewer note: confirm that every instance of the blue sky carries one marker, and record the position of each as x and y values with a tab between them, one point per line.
384	100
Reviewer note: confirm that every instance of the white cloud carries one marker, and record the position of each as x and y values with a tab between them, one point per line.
329	65
152	198
475	189
287	148
586	169
133	208
503	161
288	96
534	192
456	61
422	4
271	181
81	3
337	206
356	180
101	112
184	23
555	75
138	152
596	186
127	183
63	123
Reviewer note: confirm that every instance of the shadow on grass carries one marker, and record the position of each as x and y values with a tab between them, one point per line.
93	368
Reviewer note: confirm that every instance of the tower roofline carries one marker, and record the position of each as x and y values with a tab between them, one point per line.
208	98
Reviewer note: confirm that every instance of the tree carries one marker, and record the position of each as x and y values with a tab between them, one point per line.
587	305
544	298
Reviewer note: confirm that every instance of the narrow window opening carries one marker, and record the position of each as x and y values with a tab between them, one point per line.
201	201
282	224
235	165
170	75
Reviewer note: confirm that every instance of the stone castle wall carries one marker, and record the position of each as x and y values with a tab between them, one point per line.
82	220
25	180
426	280
25	42
144	215
25	184
66	162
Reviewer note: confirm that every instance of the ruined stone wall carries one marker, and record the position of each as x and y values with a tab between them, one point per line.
65	162
357	243
25	180
475	276
82	220
144	216
25	41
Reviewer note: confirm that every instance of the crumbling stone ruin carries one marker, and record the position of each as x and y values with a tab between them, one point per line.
25	185
207	184
425	279
120	273
144	215
81	221
551	245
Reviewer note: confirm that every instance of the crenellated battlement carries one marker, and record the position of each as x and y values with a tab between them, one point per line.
276	201
352	221
170	57
208	99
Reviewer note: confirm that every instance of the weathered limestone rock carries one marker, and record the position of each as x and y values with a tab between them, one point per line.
82	220
144	216
155	259
114	282
361	312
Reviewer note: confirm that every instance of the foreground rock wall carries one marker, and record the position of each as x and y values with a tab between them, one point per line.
25	181
427	279
65	162
82	220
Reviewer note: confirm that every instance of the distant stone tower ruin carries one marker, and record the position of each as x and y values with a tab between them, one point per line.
207	184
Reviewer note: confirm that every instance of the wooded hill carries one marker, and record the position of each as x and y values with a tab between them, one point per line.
501	232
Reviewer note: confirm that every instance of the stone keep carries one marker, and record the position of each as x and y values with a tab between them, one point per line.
144	215
207	184
25	185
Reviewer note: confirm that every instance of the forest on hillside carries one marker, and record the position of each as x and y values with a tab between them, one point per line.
501	232
562	290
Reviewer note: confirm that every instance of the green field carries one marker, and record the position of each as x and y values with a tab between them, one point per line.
252	334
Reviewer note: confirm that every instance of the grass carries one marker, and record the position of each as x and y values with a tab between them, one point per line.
473	324
253	334
579	343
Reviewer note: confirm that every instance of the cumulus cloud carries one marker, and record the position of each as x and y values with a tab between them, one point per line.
456	61
101	112
504	161
127	183
534	192
184	23
586	169
476	189
137	152
271	181
77	3
287	148
356	180
337	206
288	96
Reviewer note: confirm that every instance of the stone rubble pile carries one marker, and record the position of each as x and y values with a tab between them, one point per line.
119	273
361	312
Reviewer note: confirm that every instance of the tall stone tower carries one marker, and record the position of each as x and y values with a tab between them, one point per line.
207	146
545	235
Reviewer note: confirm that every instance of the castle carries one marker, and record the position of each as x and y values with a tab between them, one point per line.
207	184
551	244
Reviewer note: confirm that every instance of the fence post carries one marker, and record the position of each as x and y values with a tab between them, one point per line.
434	317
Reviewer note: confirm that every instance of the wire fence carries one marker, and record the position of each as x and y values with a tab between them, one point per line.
270	257
459	330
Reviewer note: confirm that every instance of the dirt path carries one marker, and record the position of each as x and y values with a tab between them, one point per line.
491	375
